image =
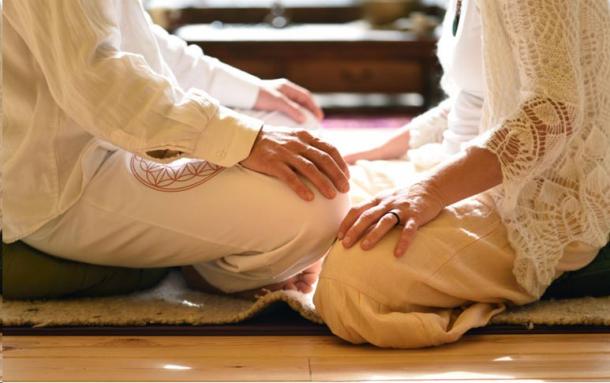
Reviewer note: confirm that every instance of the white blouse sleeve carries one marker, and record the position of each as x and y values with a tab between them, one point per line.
115	95
428	127
193	69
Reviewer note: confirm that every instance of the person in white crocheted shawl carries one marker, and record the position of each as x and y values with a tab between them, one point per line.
518	189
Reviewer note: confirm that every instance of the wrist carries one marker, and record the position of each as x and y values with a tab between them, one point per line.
433	188
397	146
259	136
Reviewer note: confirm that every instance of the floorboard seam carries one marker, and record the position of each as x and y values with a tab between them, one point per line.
309	368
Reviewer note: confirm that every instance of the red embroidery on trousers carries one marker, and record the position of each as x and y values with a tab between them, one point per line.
173	177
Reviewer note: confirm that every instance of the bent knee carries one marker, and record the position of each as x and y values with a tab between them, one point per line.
377	266
317	226
323	216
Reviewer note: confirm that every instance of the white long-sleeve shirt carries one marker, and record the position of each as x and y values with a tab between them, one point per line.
462	60
82	77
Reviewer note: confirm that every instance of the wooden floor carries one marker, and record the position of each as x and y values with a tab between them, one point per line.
302	358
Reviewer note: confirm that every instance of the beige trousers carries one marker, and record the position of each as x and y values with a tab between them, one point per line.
239	229
456	275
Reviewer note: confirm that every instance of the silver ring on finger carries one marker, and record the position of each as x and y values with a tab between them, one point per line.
395	214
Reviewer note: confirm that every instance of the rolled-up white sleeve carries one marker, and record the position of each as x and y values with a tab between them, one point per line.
429	126
230	86
115	95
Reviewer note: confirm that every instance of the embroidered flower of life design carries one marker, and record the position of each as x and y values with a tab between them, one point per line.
180	175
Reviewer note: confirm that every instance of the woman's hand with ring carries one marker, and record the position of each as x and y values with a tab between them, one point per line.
371	221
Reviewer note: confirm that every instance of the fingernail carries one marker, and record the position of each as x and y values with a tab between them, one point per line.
366	243
340	235
345	187
347	241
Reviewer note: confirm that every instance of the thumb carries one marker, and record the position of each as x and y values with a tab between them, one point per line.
352	158
368	154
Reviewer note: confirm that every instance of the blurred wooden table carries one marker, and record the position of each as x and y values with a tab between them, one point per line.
328	58
256	11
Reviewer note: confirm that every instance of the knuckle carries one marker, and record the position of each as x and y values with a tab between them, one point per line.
408	230
368	215
288	178
310	167
326	158
285	172
294	181
388	219
320	141
284	153
376	201
312	152
303	134
403	205
294	146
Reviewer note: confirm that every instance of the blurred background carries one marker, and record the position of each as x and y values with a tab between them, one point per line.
359	57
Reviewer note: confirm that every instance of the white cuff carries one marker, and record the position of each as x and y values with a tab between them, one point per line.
227	138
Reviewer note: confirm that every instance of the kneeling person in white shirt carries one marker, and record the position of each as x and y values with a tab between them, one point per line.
120	149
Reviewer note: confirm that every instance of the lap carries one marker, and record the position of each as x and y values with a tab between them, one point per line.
462	256
219	215
139	213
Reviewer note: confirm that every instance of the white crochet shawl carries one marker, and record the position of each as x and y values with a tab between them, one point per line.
547	118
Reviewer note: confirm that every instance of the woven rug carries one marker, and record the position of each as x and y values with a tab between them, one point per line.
172	303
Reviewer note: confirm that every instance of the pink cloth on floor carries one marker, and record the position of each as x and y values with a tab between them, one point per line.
354	122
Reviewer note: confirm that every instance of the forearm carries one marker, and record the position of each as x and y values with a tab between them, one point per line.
402	135
466	174
397	144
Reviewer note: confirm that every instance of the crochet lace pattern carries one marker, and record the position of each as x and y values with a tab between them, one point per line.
548	121
547	118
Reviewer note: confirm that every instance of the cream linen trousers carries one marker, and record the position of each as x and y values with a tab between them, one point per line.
238	228
456	275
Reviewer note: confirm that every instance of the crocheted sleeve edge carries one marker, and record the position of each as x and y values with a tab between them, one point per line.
529	141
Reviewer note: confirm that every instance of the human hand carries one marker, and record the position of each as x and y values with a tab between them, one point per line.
395	147
286	153
303	282
371	221
286	97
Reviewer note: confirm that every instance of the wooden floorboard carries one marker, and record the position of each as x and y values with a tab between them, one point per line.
303	358
1	356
